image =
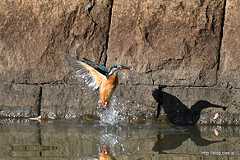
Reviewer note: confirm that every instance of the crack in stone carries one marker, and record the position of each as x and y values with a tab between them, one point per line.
92	31
220	42
89	6
39	102
44	83
47	51
104	54
221	35
70	22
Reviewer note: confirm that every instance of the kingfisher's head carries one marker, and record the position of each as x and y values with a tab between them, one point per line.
114	69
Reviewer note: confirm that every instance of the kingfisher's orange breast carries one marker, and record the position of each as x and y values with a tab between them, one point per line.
107	88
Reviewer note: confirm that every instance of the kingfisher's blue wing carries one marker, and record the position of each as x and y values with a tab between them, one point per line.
99	67
89	71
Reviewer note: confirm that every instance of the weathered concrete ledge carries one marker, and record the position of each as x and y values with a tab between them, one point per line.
64	101
67	101
190	46
19	100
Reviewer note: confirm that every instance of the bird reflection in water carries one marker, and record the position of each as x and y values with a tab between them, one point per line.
109	143
105	153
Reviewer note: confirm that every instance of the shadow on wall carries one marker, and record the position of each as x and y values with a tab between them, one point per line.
177	112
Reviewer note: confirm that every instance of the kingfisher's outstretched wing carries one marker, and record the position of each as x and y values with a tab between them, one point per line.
92	73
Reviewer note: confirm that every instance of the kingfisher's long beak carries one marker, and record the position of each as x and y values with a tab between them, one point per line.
218	106
125	68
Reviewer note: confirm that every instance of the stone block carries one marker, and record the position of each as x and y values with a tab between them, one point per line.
35	35
167	42
68	102
18	100
230	50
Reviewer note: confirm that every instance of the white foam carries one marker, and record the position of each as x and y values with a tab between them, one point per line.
111	115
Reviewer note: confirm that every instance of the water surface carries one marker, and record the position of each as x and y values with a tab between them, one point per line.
75	140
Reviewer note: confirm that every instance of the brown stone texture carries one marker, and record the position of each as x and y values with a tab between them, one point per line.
230	50
167	42
67	102
36	34
136	102
17	100
76	101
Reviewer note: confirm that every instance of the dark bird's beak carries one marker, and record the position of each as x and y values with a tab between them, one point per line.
218	106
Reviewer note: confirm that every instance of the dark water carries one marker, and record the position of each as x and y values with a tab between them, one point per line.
24	139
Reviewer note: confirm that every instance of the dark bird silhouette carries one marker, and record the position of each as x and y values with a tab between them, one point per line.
169	141
177	112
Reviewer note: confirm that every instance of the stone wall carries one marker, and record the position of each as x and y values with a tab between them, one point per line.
192	47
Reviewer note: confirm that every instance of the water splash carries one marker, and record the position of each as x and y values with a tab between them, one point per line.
112	115
109	139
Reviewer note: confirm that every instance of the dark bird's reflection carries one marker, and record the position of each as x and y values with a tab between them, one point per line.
168	141
177	112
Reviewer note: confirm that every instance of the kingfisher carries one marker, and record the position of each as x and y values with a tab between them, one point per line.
97	77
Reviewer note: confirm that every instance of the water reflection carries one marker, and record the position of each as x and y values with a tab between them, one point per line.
76	140
168	141
110	141
105	153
